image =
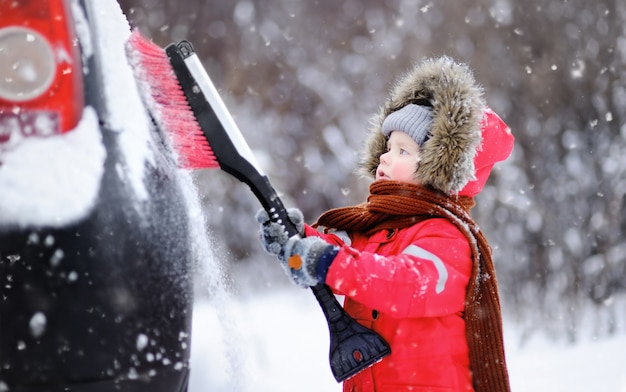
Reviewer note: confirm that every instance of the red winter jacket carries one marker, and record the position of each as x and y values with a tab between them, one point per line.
408	285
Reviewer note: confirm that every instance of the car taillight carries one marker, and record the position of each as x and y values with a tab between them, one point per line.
41	83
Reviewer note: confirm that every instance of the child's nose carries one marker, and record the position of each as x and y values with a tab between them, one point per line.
384	157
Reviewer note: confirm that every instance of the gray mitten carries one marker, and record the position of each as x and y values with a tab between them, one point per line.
273	235
307	260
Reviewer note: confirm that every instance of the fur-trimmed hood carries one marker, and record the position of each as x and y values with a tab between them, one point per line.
447	157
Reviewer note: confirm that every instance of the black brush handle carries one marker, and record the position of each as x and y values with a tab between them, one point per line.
352	346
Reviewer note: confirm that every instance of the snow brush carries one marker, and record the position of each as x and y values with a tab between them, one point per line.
186	105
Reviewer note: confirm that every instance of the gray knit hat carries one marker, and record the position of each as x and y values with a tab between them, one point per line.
414	120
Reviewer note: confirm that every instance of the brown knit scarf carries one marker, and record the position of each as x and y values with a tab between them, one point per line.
392	205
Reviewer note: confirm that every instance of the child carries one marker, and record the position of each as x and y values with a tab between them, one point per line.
411	263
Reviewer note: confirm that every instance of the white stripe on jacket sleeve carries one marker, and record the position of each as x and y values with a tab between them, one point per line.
416	251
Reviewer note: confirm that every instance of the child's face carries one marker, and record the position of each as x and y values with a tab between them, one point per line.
400	161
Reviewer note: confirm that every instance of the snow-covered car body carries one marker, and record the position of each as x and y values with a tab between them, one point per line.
96	287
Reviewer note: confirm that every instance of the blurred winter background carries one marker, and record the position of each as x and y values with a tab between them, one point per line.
302	79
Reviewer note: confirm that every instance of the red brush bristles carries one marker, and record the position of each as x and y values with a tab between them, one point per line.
167	103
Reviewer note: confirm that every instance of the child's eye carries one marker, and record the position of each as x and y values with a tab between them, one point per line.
403	152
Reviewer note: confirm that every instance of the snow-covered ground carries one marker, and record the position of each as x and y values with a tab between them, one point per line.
278	341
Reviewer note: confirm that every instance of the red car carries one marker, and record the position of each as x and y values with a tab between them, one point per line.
96	287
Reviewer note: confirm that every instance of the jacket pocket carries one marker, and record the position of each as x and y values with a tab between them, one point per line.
363	314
